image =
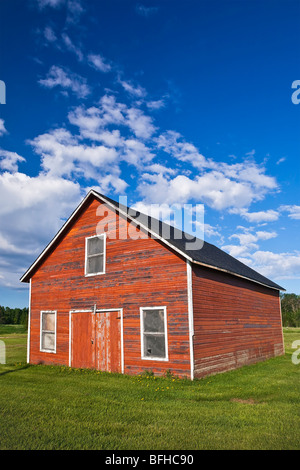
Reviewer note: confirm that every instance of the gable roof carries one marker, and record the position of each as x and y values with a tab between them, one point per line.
208	256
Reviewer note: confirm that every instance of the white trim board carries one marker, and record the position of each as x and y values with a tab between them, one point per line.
190	315
29	324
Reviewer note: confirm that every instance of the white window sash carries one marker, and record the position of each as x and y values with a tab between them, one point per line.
165	334
53	332
87	256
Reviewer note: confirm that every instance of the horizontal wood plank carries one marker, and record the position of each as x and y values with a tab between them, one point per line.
139	273
236	322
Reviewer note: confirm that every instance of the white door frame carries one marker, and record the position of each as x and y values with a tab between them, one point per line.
93	312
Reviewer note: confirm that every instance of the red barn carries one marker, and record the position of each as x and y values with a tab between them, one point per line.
113	292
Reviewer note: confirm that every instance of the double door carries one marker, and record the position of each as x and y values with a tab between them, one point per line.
96	340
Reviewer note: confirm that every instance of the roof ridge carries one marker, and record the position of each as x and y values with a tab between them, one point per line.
209	255
209	246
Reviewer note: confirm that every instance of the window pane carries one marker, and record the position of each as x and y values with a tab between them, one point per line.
95	246
154	346
95	264
49	321
153	321
48	341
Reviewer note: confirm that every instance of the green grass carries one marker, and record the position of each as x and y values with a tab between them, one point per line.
53	407
15	339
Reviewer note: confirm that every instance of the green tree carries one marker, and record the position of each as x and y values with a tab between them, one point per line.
2	315
290	308
13	316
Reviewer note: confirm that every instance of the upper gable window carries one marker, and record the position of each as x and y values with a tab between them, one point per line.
95	255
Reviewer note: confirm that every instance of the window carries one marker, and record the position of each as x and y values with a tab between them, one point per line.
154	333
48	331
95	255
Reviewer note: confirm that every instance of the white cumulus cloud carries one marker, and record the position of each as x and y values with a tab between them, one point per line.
2	128
9	160
68	81
293	211
98	62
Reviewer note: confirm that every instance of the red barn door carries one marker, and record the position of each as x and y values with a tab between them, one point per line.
82	340
108	341
96	340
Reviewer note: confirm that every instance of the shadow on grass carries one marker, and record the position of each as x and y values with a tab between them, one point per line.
17	369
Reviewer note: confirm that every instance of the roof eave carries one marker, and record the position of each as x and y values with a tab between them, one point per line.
279	288
28	274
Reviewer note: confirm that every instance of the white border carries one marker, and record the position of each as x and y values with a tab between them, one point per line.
102	235
52	351
94	311
153	358
190	315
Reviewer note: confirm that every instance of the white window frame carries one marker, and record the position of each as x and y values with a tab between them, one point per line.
53	351
102	235
154	358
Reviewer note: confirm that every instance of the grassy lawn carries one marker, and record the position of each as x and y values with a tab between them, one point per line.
15	339
45	407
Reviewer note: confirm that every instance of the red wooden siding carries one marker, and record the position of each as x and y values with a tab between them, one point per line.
139	273
236	322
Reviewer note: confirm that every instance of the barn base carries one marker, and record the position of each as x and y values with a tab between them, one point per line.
231	361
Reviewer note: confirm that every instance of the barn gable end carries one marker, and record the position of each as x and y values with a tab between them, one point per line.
139	274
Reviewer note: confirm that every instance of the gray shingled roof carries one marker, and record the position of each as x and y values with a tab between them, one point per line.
209	255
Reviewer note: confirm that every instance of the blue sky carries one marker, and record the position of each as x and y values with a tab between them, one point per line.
165	102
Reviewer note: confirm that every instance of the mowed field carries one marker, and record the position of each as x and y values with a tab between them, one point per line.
53	407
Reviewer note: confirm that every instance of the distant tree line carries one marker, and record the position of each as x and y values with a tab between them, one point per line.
13	316
290	309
